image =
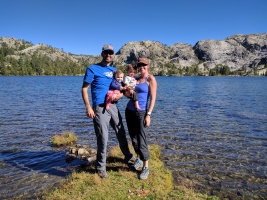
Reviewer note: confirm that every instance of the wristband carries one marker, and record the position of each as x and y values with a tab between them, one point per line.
149	113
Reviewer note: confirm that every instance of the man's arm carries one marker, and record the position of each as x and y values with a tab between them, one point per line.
89	111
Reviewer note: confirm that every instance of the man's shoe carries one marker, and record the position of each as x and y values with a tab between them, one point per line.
144	173
137	164
102	173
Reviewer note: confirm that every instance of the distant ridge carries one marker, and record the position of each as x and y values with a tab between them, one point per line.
236	55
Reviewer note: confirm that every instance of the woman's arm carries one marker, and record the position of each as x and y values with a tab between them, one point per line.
153	93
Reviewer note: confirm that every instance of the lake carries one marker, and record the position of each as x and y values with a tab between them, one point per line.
212	132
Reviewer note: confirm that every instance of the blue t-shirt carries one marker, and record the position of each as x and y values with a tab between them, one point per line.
99	77
115	85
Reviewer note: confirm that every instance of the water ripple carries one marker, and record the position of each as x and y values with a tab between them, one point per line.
212	132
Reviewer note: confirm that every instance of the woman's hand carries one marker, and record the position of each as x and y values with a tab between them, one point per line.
147	121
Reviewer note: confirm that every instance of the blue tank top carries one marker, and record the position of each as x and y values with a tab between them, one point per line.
143	96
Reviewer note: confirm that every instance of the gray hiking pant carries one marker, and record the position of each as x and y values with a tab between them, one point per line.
104	118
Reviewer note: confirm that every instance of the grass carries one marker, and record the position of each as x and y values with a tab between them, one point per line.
64	138
123	183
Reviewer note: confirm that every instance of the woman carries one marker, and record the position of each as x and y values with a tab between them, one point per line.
138	119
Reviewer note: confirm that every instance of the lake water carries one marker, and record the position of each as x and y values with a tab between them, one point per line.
212	132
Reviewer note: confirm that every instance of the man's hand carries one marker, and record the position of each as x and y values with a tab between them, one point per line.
90	113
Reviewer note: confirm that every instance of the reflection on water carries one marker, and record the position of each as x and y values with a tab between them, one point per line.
212	132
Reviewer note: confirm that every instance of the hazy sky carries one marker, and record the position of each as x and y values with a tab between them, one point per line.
83	26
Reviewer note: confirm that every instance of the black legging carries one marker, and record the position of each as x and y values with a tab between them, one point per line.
136	128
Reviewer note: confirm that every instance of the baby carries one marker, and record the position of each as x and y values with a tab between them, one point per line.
115	87
130	83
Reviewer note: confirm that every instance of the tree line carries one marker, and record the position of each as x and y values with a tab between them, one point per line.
37	64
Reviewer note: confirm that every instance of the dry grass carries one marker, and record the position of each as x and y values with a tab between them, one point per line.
64	138
123	183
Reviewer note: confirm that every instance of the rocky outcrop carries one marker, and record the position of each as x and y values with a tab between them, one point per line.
236	52
156	51
183	55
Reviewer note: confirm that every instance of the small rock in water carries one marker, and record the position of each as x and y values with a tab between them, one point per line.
81	152
73	150
91	158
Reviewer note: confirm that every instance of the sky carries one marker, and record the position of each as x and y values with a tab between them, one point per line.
84	26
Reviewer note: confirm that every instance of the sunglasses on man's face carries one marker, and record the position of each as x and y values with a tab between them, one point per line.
141	65
108	52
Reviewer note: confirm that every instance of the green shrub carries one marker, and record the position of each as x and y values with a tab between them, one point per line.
64	138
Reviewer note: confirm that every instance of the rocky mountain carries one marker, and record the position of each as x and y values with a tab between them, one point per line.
238	52
242	54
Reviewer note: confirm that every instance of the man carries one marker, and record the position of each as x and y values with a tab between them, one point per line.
99	76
